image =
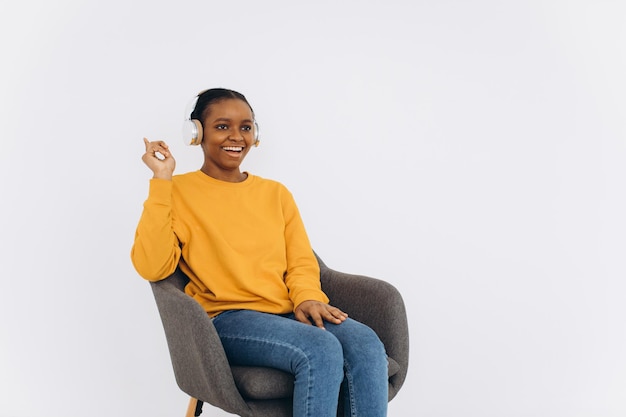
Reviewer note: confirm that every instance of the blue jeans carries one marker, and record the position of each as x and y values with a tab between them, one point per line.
320	360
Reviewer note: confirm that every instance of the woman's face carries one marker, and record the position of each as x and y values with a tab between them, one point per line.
228	134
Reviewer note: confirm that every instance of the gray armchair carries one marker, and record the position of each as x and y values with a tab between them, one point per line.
202	370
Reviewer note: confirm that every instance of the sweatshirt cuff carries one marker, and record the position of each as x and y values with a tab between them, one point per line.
307	295
160	191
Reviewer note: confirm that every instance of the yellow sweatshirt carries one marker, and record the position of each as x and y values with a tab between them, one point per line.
242	245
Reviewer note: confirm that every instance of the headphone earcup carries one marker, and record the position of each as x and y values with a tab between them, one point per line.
192	132
256	134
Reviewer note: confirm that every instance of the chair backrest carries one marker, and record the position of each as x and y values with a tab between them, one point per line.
198	358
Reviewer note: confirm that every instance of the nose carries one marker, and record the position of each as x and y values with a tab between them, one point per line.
236	135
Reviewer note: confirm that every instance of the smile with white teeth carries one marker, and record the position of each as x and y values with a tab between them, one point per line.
233	148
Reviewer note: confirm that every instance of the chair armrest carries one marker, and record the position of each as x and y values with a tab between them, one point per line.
198	358
377	304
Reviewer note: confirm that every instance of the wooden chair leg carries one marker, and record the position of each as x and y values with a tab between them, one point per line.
191	409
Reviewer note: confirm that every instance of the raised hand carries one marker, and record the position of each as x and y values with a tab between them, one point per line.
159	159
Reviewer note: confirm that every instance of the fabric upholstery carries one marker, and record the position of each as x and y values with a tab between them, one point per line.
202	370
262	383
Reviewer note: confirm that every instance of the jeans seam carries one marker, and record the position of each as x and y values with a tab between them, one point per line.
350	383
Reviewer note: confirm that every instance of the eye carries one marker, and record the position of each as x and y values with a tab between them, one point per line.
221	127
246	128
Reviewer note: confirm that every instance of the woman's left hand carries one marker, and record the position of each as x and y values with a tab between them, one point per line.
316	312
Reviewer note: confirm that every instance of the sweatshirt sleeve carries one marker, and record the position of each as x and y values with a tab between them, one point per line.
156	251
303	273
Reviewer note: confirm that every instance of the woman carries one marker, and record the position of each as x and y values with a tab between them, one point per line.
242	243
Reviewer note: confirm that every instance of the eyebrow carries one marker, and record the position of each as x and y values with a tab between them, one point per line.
226	119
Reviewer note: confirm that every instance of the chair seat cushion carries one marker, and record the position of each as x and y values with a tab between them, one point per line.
394	367
257	383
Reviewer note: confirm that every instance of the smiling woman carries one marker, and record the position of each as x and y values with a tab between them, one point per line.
228	135
242	243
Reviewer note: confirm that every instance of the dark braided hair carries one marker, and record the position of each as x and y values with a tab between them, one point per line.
214	95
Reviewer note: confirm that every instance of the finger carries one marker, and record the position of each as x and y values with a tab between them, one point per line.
156	146
160	146
146	142
334	317
164	149
317	319
339	314
158	150
301	317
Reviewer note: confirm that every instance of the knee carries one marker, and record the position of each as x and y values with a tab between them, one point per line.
365	347
324	352
374	344
329	349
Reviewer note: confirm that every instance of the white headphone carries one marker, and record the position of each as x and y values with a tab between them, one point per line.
192	128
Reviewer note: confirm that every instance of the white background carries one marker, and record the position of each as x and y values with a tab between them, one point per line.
472	153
